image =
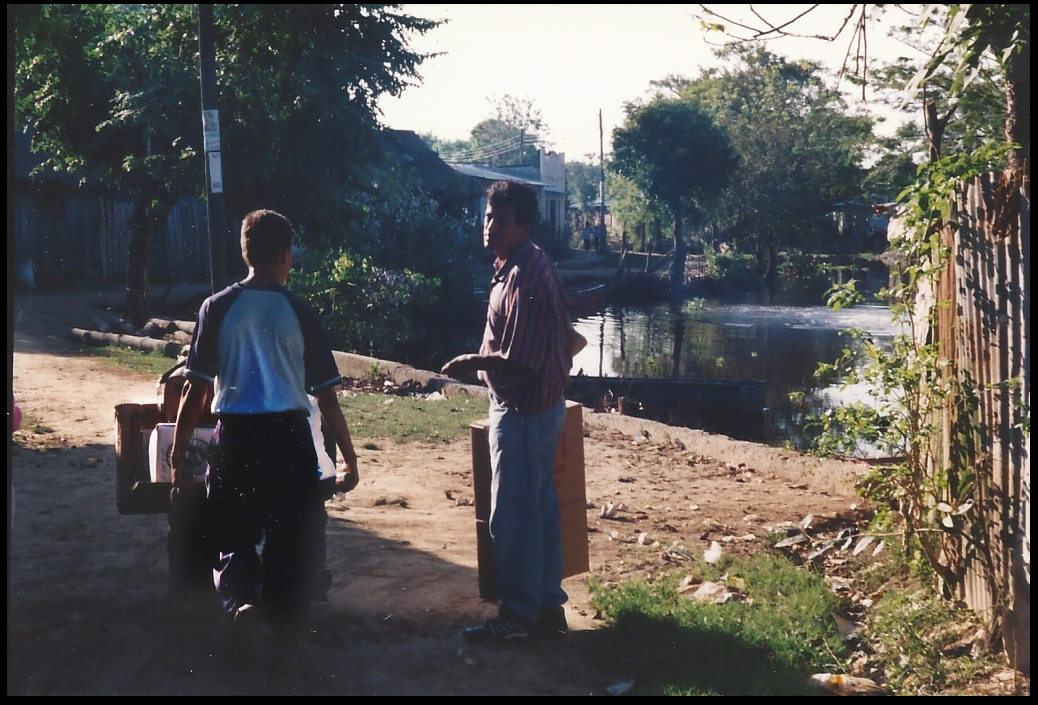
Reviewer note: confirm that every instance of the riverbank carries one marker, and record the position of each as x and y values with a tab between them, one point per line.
88	611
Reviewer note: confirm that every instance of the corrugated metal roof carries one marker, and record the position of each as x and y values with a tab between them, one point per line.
485	172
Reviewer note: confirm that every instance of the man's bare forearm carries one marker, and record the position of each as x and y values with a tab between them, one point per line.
470	363
192	407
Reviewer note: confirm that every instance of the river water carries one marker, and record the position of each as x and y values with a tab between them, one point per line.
780	343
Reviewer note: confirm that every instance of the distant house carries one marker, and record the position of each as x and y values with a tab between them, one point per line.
548	178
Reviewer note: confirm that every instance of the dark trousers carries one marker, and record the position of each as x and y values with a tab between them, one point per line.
262	487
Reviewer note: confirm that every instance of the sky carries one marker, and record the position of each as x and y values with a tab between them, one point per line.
572	60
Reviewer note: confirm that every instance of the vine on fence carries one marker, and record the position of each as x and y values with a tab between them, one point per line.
911	385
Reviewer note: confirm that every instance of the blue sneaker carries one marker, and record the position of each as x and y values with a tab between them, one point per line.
507	626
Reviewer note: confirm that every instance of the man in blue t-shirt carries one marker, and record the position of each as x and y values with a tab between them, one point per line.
263	349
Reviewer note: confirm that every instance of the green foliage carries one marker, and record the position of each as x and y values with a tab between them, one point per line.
728	268
798	149
364	308
766	644
637	211
407	419
113	90
673	151
582	183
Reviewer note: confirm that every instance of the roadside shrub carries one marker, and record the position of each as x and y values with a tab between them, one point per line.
366	309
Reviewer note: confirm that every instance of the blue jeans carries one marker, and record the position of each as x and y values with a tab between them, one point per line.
524	509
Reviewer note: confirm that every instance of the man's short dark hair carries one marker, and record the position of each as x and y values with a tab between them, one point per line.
521	197
265	235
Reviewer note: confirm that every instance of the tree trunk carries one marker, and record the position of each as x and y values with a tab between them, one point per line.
677	267
138	272
1018	105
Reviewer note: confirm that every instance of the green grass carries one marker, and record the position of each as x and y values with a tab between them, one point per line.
150	363
672	645
403	419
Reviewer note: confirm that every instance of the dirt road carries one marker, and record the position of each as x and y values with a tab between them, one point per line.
88	611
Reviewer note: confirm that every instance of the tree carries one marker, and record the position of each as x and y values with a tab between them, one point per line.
799	152
510	137
113	90
674	151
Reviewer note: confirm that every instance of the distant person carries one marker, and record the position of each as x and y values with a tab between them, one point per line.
587	236
524	360
598	238
263	349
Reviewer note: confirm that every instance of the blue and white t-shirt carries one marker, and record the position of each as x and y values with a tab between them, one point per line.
263	348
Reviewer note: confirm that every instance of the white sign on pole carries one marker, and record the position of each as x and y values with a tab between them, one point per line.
211	130
215	172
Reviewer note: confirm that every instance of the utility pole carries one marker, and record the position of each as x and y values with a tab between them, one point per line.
601	165
211	138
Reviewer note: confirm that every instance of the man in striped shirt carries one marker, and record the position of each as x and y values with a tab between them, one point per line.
525	361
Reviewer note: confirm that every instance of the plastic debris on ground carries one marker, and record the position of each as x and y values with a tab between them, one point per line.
846	685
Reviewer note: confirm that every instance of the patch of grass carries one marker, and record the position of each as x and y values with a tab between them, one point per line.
766	645
403	419
147	363
40	428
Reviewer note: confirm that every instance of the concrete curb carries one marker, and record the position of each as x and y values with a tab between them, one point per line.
358	366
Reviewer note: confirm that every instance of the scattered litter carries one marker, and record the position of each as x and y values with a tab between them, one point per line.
388	383
436	396
845	685
805	523
620	687
614	535
466	658
750	517
693	507
626	479
711	592
590	505
791	541
713	554
865	602
642	538
848	630
798	487
879	547
609	510
963	508
820	548
383	501
737	583
676	551
863	543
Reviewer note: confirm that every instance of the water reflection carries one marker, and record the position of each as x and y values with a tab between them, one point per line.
781	344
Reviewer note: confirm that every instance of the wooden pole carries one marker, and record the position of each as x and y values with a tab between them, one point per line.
213	163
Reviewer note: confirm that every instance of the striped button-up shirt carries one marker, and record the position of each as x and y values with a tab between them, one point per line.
528	323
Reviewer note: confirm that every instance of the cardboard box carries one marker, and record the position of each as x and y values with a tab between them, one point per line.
568	473
160	448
